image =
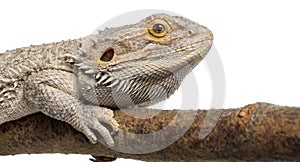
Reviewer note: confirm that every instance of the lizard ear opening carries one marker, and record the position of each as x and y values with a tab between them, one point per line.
108	55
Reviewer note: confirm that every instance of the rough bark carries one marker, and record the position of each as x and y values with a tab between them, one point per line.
259	131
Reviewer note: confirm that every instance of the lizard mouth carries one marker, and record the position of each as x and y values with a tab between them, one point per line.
194	52
203	46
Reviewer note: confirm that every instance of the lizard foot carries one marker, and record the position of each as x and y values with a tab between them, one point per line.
94	117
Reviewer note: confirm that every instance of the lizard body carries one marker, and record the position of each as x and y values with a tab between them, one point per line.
80	81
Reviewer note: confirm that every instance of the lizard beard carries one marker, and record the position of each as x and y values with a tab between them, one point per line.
130	92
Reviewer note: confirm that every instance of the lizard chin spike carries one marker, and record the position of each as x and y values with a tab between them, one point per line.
114	83
121	85
98	75
125	86
83	66
102	78
70	58
79	64
83	51
90	71
107	81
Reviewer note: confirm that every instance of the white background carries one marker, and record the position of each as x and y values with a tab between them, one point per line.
258	42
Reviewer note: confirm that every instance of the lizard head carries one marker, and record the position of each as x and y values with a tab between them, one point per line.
142	63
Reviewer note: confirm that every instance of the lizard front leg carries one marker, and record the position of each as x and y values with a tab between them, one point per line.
53	92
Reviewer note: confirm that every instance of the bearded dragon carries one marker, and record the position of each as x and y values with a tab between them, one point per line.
81	81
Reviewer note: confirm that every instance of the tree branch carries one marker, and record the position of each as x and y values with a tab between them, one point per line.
258	131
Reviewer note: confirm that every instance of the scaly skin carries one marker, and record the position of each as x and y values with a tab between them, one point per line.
80	81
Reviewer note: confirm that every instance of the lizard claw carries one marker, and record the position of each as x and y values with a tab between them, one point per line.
107	117
93	117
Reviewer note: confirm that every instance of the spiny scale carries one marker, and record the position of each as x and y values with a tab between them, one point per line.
98	75
114	83
103	77
109	79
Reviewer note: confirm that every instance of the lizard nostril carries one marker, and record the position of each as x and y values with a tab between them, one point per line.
108	55
211	35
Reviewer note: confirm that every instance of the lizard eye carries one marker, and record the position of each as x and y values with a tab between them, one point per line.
108	55
158	28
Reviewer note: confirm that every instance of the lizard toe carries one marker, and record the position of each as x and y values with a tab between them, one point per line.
90	135
104	132
96	118
106	116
